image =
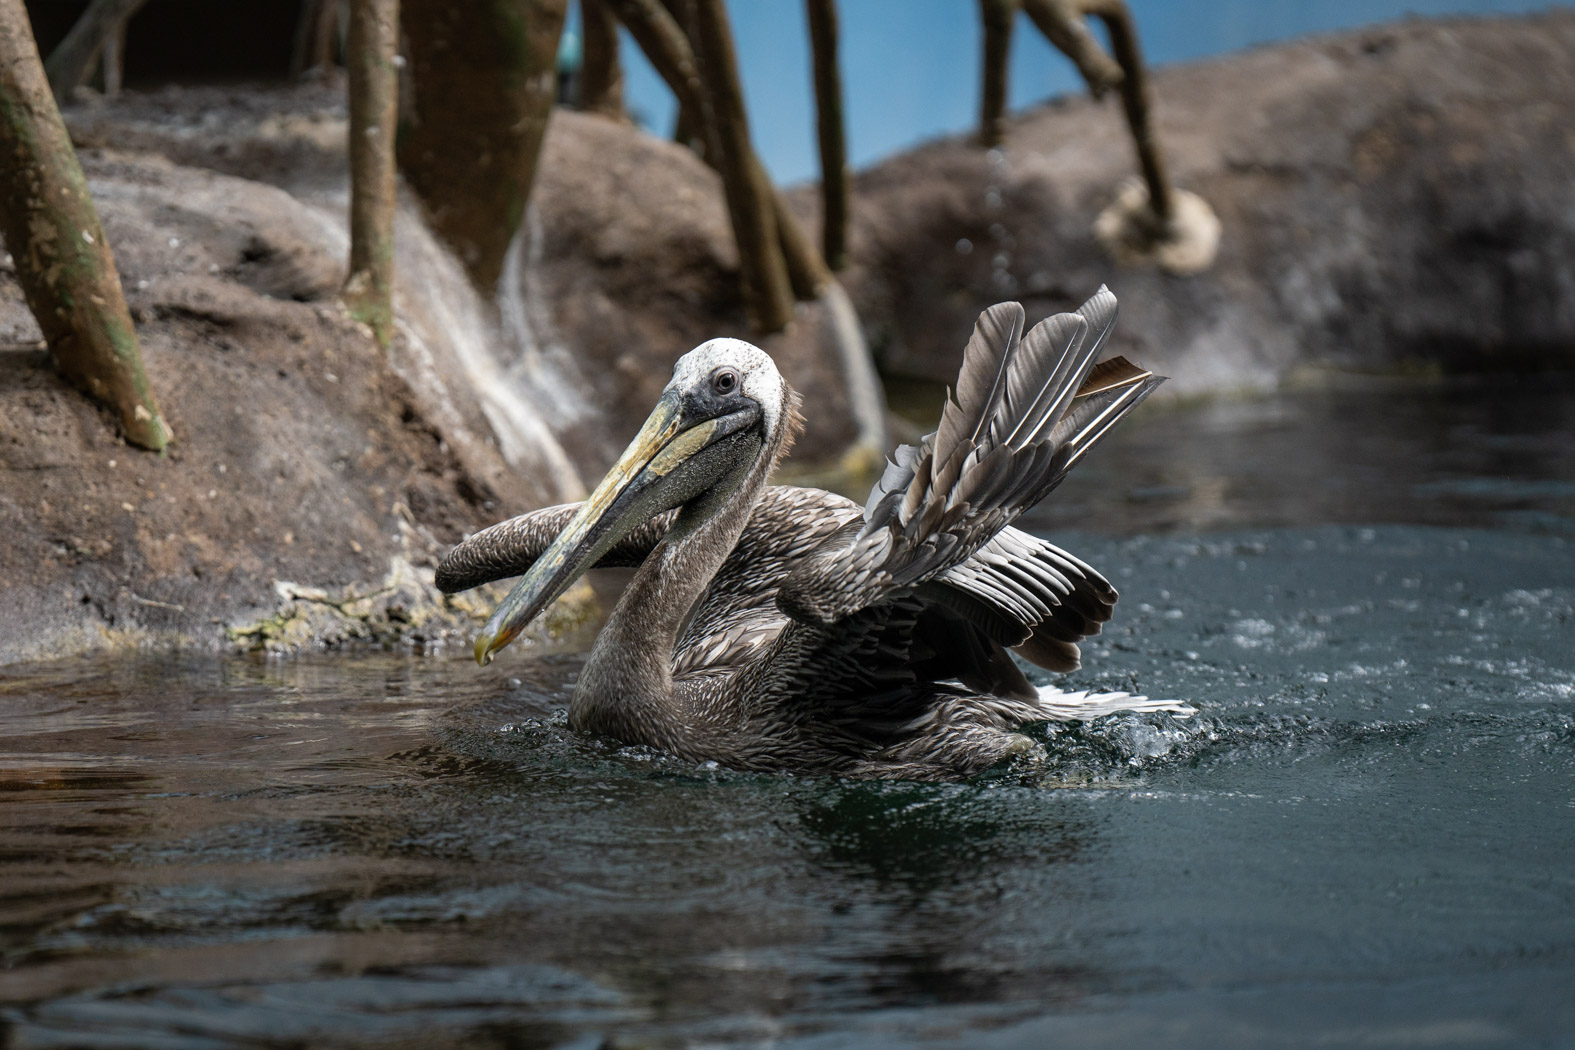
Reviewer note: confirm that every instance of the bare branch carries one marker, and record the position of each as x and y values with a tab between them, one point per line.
667	46
1135	101
749	196
374	104
1061	21
72	61
997	16
601	76
833	144
1063	25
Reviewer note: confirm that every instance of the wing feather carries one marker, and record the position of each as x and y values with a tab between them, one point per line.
986	362
1026	410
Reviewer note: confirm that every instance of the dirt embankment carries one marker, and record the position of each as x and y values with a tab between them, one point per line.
1397	197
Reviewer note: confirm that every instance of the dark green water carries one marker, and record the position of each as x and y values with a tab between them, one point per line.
1366	837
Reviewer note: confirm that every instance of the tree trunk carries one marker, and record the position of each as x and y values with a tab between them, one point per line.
72	61
483	83
62	260
668	48
1135	101
316	36
1063	25
601	75
374	94
833	142
113	62
997	17
749	197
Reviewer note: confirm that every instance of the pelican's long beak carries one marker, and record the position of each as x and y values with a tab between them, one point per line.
627	497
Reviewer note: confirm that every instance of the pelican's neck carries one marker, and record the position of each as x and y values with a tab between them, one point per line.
626	688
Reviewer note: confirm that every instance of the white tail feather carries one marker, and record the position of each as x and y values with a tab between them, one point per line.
1086	705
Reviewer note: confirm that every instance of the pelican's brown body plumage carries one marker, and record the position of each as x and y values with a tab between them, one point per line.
774	627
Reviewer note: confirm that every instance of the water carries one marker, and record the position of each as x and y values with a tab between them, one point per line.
1492	453
1363	838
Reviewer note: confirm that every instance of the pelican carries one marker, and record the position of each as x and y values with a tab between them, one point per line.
783	628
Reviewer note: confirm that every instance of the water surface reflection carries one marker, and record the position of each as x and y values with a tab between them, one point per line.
1465	450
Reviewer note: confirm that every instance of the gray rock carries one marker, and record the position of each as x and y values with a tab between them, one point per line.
316	478
1394	198
305	453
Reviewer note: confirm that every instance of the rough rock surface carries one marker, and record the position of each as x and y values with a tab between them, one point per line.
304	452
625	262
316	478
1394	197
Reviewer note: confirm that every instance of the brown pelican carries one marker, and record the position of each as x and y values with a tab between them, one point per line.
771	627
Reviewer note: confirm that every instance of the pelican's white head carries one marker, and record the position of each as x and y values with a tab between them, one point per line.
732	367
719	417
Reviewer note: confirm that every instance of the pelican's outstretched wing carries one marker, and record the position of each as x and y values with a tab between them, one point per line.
1029	595
738	610
788	523
1026	410
511	547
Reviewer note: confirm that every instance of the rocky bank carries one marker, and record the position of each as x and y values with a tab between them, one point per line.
317	478
1394	198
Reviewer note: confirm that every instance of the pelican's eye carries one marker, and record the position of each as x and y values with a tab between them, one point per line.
724	380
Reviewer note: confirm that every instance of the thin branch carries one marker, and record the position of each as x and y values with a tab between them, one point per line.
1135	101
72	61
1061	21
667	47
749	196
1063	25
601	76
828	123
374	105
997	18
